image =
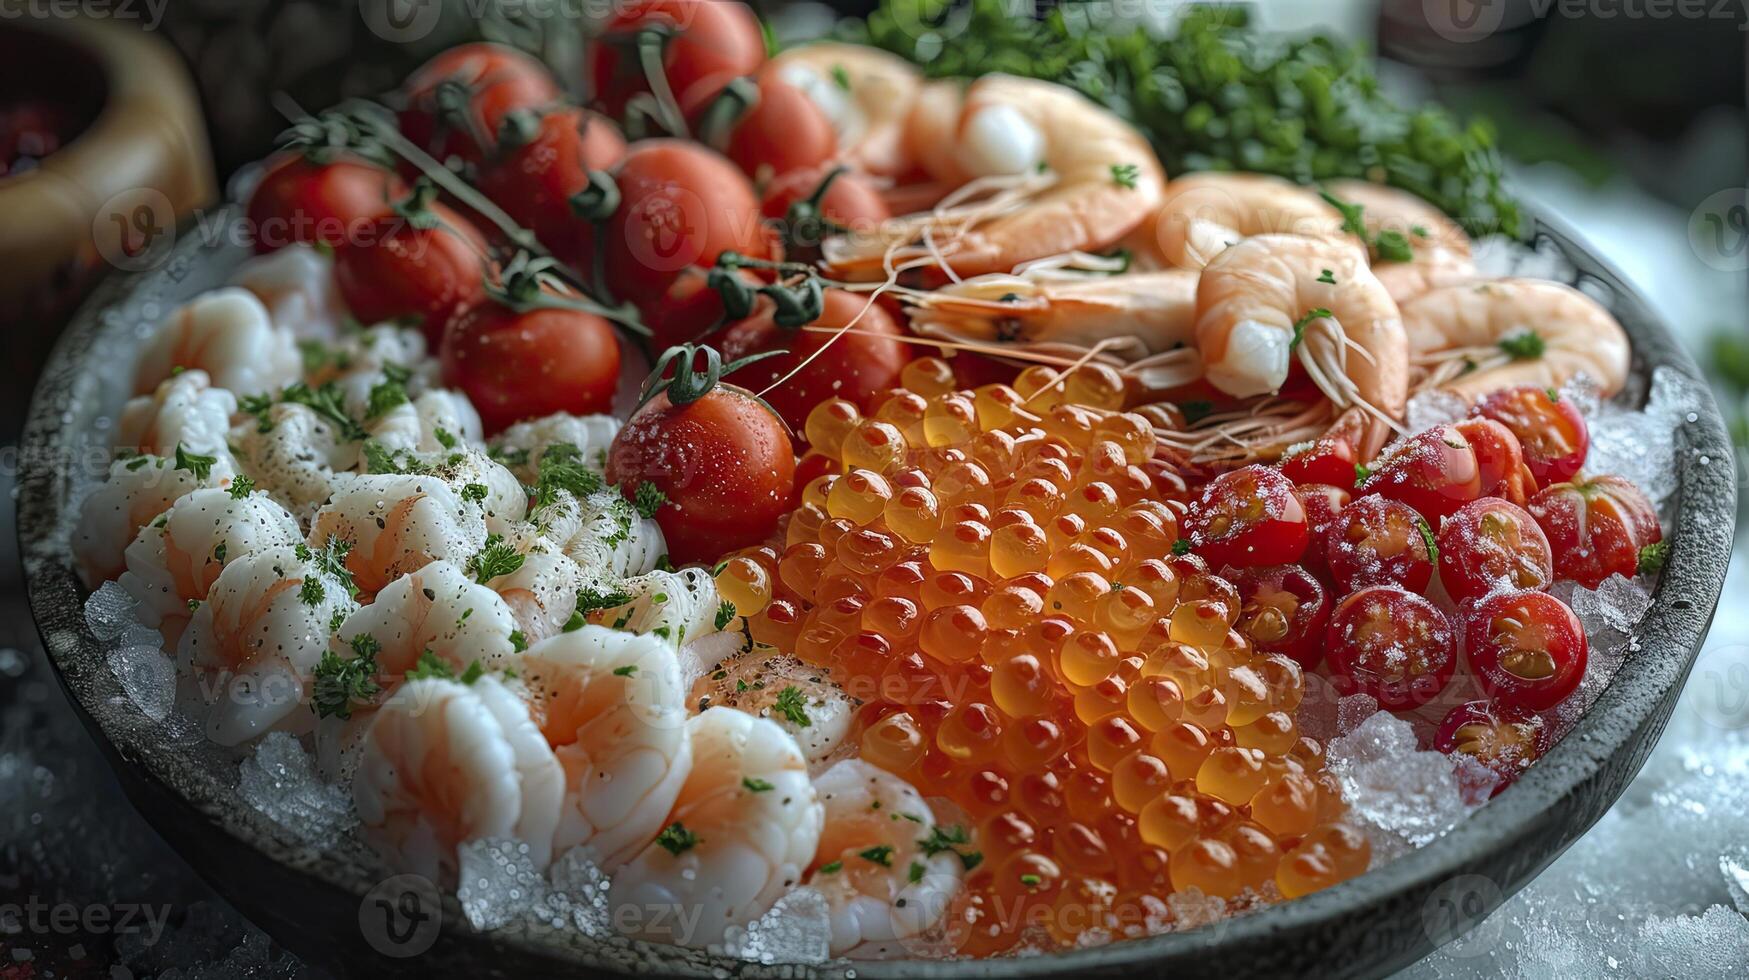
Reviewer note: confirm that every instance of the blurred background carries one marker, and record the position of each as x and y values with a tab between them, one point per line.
1624	118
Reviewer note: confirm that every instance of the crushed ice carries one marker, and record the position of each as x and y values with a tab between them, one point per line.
1399	795
796	929
281	781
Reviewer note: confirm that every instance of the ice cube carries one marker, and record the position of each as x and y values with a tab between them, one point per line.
796	929
1434	407
109	610
280	780
1712	944
1584	393
1401	796
1617	604
498	882
1353	711
148	678
1735	868
579	892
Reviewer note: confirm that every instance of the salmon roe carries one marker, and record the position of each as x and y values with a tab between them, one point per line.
992	575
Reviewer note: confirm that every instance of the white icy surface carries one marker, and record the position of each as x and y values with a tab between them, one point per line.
497	882
280	780
797	929
1401	796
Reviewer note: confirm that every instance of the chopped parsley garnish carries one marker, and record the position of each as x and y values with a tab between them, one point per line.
832	868
1300	325
916	873
725	614
475	671
648	499
1526	346
1125	175
755	785
330	560
676	839
1393	246
327	403
562	468
591	599
1327	277
341	683
951	837
1181	546
1362	473
311	593
475	493
431	665
518	641
626	671
380	459
881	854
444	437
260	406
241	486
385	396
791	705
1653	557
200	466
841	77
495	559
1030	880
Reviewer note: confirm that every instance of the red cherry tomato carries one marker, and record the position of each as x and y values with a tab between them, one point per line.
1377	541
401	271
688	309
1391	644
806	206
1434	472
301	201
1283	610
1597	527
1503	739
515	366
1551	430
1321	502
534	180
456	102
1491	544
680	205
1500	466
1527	649
704	45
783	132
1330	459
855	366
1248	517
723	461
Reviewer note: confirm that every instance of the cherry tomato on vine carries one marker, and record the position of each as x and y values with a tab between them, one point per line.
1379	541
783	131
1551	430
1527	649
1391	644
455	104
1248	517
1597	527
680	205
1283	609
542	167
1490	544
697	47
1434	472
688	309
1500	468
1505	740
805	207
855	366
422	264
722	460
303	200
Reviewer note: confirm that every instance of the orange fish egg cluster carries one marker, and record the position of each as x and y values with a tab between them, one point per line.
993	576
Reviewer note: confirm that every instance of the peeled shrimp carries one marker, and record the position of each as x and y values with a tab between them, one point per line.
296	285
258	637
175	562
1040	171
612	541
398	524
1202	214
1127	316
521	446
1255	306
878	902
675	606
818	714
482	483
184	410
610	703
742	831
1439	249
295	455
865	92
226	333
541	593
1476	338
444	763
137	492
438	610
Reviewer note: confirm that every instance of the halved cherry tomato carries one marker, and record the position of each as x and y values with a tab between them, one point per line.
701	45
422	265
539	170
520	365
782	132
1505	740
301	200
680	205
1491	544
1283	610
1434	472
1391	644
1321	502
455	104
723	461
1248	517
1500	466
853	365
1597	527
1330	459
1551	430
1378	541
1527	649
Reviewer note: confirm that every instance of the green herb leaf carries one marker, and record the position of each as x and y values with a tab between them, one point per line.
1653	557
241	487
756	785
1125	175
1427	539
1527	345
495	559
626	671
200	466
648	499
1300	325
725	614
676	839
881	854
792	706
431	665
